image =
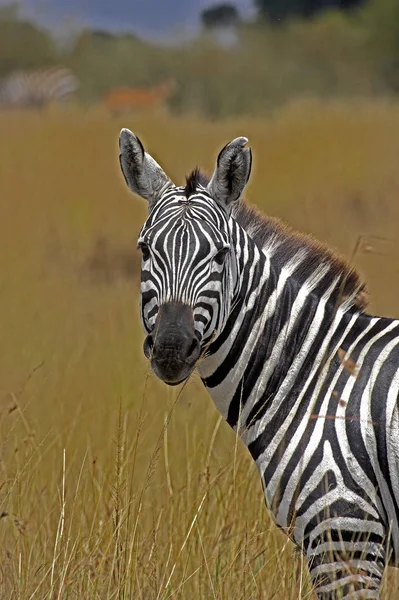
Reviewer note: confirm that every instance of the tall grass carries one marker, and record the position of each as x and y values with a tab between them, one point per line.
112	485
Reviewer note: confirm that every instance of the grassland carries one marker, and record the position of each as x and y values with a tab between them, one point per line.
112	485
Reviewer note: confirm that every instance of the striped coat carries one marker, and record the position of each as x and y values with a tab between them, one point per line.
275	324
37	88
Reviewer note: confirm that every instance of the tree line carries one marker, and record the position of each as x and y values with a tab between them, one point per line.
327	49
277	11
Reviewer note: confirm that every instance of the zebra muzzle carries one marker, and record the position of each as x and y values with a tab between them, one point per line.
173	346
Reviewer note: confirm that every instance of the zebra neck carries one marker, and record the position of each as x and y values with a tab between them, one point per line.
269	344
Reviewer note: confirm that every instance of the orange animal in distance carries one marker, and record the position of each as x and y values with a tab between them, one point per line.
129	99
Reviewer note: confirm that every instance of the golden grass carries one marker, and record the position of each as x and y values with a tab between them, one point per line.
112	485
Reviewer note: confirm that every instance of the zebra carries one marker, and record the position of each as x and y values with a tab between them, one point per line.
276	325
37	88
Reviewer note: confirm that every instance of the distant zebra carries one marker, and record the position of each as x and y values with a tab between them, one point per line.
38	88
275	324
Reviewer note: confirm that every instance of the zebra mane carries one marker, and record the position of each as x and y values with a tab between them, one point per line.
270	232
195	179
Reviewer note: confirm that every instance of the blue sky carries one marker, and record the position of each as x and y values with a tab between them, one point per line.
150	18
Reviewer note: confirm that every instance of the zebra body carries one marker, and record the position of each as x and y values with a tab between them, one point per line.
275	325
37	88
316	425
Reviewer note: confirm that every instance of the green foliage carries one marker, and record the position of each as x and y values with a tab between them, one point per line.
380	19
22	44
325	57
103	61
336	54
280	10
220	15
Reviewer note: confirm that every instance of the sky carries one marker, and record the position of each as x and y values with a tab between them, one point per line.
160	19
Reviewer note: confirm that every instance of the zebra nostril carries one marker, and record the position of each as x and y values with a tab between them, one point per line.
148	346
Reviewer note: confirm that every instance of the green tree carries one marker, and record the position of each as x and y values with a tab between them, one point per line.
380	19
103	61
220	15
280	10
23	45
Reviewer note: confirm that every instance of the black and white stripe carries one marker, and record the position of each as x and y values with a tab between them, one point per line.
179	267
37	88
307	378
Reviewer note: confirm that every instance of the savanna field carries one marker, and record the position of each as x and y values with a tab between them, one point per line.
111	484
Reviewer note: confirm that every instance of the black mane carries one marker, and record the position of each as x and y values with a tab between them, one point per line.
195	179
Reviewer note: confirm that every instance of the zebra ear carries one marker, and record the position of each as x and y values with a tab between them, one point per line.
231	174
142	173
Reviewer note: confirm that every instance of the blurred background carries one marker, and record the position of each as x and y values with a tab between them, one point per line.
111	484
218	60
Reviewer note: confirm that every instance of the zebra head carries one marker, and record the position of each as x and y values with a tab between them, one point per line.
189	267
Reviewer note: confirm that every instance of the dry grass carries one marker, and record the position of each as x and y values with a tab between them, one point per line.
111	485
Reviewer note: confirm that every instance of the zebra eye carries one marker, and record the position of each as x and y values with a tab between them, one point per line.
144	250
221	255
